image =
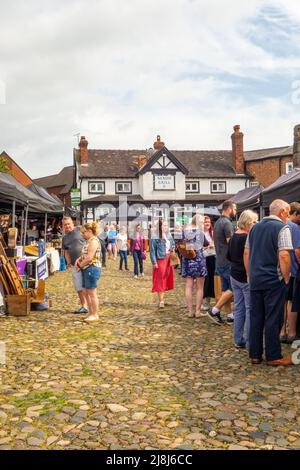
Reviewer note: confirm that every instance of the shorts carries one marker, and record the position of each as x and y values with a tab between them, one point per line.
290	290
77	279
90	277
224	274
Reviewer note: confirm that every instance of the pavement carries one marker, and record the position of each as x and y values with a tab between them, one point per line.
141	378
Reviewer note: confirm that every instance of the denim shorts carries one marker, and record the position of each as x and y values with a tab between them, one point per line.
224	274
90	277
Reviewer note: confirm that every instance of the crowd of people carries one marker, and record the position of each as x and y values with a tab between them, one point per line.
257	263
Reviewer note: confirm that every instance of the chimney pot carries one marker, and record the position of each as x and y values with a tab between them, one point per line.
158	144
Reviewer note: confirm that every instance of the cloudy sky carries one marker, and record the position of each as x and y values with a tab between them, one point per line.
120	72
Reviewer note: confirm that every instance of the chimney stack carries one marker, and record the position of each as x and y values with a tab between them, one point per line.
296	149
158	144
237	139
84	153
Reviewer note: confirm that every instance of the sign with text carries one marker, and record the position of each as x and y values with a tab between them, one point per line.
75	197
164	182
42	268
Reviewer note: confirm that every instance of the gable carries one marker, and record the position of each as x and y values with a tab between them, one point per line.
163	160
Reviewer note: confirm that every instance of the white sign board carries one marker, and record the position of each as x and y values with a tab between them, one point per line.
42	268
164	182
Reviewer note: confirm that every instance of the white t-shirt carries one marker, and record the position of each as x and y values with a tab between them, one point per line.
122	241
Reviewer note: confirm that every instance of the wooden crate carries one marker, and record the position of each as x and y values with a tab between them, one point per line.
18	305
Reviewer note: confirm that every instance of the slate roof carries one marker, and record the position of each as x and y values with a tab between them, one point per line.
64	178
252	155
120	163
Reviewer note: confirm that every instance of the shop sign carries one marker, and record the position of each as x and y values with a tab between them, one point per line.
75	197
164	182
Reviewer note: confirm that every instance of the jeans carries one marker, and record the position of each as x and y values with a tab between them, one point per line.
123	257
224	273
138	262
267	316
241	294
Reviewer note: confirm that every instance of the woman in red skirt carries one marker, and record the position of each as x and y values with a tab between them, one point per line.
161	245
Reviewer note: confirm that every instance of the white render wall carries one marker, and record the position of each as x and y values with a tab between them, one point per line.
110	187
144	187
147	192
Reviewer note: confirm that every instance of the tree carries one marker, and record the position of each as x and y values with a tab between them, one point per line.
4	168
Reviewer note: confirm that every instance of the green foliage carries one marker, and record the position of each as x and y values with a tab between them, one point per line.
4	166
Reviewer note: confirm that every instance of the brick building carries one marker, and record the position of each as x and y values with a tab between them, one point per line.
59	184
266	165
17	172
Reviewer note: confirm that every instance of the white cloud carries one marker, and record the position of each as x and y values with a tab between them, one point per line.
121	72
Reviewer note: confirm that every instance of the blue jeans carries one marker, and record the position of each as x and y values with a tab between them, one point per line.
241	294
138	262
123	257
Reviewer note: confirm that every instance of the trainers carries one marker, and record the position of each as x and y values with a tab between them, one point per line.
142	274
161	304
135	276
240	346
230	318
215	317
81	310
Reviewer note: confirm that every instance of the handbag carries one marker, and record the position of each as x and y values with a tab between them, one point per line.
174	259
144	256
186	253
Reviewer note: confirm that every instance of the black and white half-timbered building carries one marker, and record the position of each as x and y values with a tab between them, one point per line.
156	182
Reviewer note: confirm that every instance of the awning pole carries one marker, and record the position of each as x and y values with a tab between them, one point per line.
14	214
46	228
22	226
25	224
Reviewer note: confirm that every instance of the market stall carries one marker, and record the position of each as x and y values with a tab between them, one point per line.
32	263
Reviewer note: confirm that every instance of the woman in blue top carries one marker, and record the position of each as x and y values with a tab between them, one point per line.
194	270
161	245
112	246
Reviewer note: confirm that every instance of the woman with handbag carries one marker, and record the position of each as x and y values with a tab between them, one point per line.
162	246
138	250
193	264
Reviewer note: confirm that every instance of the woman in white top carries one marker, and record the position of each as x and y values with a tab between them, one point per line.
122	246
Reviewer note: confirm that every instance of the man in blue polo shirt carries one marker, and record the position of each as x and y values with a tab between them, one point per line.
268	263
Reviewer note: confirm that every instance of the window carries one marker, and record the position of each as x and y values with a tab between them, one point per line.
218	187
96	187
123	187
289	167
253	184
192	187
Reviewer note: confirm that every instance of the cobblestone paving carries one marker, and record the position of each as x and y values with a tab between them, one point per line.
141	378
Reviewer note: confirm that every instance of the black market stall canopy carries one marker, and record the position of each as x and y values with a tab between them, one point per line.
248	198
36	198
287	187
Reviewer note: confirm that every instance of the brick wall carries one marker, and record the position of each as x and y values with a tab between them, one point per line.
17	172
269	170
